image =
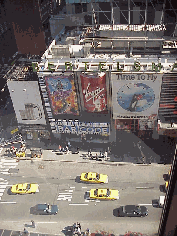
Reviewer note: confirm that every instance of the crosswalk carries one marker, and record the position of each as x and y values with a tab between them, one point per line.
5	165
3	185
66	195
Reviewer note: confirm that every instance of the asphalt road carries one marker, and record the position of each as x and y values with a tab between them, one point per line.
59	185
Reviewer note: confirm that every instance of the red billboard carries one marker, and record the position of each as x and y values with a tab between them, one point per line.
94	93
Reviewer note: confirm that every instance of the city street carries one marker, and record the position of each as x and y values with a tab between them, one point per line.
58	184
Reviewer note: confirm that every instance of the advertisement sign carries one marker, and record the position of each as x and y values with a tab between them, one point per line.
27	102
168	99
76	127
135	96
62	94
94	92
123	124
147	124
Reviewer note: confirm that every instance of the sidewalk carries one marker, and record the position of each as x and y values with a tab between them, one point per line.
58	228
51	153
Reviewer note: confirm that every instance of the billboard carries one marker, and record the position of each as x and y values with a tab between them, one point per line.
27	102
135	96
62	94
77	127
94	92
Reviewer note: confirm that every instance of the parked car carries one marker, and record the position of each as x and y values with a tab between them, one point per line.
132	211
45	209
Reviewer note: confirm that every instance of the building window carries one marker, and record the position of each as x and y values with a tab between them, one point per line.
78	8
84	6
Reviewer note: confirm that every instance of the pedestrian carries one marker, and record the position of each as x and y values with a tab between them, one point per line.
89	152
60	148
25	231
33	224
105	154
100	154
69	144
79	225
67	149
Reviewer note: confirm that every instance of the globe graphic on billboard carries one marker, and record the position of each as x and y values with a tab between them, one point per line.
135	97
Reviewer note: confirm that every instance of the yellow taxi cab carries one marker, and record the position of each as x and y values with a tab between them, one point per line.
94	177
24	188
104	194
20	154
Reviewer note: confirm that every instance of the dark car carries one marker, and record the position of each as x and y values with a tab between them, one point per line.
45	209
132	210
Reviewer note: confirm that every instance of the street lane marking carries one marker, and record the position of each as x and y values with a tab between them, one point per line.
8	164
2	190
69	190
65	193
9	202
4	160
84	187
72	187
1	194
145	204
78	204
45	222
145	187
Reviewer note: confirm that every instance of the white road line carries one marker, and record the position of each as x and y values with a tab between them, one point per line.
78	204
4	160
3	179
72	187
2	170
1	194
145	204
3	186
45	222
84	187
64	197
7	164
8	202
5	173
87	201
2	190
69	190
65	193
144	187
4	182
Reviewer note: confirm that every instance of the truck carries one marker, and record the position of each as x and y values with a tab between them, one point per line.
159	203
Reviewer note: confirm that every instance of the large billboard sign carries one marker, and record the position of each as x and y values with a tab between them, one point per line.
27	102
94	92
62	94
135	96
